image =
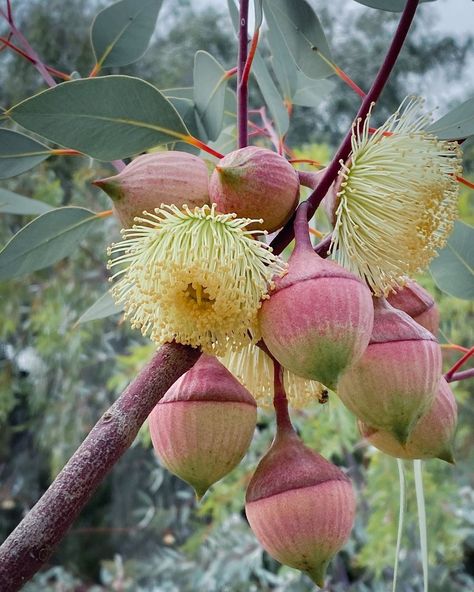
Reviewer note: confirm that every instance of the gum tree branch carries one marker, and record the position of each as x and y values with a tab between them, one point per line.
33	541
285	236
463	375
242	81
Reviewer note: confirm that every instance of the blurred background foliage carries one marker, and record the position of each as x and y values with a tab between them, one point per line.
143	530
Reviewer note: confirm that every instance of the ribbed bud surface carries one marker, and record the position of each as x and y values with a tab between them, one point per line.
150	180
300	506
398	376
318	319
418	304
432	436
256	183
203	426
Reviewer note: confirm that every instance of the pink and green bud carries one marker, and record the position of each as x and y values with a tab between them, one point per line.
300	506
170	178
398	376
256	183
432	436
318	319
418	304
202	427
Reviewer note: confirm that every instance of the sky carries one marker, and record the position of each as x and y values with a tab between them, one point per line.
454	15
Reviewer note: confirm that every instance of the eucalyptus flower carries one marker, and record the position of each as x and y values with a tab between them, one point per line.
396	198
193	276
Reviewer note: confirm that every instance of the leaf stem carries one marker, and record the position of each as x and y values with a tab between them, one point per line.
450	373
285	235
242	83
32	542
280	401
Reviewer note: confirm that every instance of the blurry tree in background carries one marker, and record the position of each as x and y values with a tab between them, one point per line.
143	529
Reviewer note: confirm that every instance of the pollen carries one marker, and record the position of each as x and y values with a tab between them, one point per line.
396	198
254	369
193	276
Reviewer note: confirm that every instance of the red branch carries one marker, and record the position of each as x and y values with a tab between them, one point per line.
242	83
450	373
286	234
32	542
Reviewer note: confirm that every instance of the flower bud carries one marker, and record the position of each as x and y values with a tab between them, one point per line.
432	436
318	319
418	304
398	376
153	179
256	183
300	506
202	427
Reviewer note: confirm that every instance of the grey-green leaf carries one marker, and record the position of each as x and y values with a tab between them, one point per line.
107	118
45	240
309	92
388	5
457	124
258	11
453	269
19	153
103	307
303	35
210	85
120	33
12	203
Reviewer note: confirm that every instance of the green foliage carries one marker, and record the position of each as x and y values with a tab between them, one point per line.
12	203
19	153
453	269
456	124
303	34
210	85
47	239
390	5
131	116
120	33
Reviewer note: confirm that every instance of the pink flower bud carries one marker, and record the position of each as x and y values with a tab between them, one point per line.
171	178
432	436
202	427
418	304
300	506
318	319
256	183
398	376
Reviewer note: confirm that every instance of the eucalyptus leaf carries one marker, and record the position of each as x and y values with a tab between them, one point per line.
303	35
108	118
309	92
19	153
457	124
282	62
210	83
388	5
12	203
44	241
453	269
258	11
120	33
103	307
271	95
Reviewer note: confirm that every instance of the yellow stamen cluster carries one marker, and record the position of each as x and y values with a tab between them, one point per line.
196	277
396	200
254	369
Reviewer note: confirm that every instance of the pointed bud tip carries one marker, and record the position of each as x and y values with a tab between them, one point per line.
111	187
447	455
317	575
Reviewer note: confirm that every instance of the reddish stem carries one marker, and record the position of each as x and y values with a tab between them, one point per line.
450	373
286	234
242	84
36	60
32	542
464	375
248	63
280	401
465	182
23	54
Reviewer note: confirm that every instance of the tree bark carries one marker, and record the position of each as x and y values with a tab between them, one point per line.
33	541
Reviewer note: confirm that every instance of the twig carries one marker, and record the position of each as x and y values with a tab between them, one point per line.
464	375
450	373
242	83
286	234
32	542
